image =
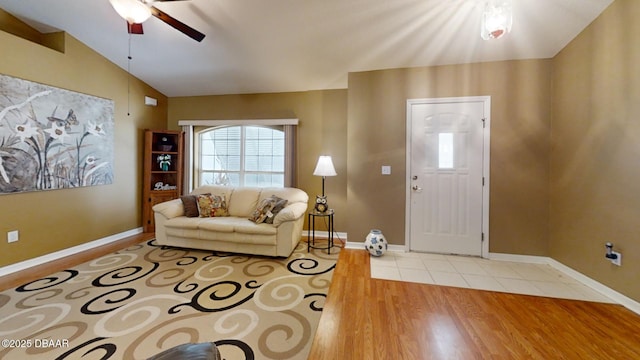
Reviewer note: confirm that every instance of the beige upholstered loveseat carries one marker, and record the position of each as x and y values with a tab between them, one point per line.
235	232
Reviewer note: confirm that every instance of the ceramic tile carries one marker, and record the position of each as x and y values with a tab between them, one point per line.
411	263
448	279
403	255
429	256
439	265
483	274
384	260
470	259
557	289
466	267
482	282
519	286
417	276
499	269
535	272
385	272
590	294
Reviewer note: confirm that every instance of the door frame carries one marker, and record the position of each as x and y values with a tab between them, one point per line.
486	142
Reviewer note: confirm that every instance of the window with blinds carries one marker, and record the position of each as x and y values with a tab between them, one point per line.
242	156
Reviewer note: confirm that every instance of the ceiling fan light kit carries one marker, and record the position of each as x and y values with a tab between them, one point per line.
497	18
134	11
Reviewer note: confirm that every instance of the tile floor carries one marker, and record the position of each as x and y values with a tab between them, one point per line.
482	274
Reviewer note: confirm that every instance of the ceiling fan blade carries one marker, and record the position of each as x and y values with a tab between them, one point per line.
133	28
177	24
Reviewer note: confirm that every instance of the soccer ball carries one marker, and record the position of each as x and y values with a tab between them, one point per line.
375	243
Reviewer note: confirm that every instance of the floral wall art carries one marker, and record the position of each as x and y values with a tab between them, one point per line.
52	138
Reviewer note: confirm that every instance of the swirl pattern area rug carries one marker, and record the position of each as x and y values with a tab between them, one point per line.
147	298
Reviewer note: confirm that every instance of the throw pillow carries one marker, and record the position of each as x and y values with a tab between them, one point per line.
190	203
280	203
260	213
212	205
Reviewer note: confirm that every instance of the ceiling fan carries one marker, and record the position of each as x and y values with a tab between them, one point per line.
135	12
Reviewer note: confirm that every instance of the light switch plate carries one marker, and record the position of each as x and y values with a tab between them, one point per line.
386	170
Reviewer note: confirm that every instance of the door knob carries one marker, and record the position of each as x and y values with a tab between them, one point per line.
416	188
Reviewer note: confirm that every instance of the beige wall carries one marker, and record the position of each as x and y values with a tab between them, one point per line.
595	139
322	131
520	120
54	220
374	135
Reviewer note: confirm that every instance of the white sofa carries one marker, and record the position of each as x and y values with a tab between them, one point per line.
234	233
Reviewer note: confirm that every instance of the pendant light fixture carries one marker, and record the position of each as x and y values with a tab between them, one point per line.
497	18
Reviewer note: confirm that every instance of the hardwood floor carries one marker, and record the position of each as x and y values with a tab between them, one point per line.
368	318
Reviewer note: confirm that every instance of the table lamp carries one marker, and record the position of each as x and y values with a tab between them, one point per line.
324	168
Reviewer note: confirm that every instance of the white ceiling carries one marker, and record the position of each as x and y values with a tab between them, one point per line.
255	46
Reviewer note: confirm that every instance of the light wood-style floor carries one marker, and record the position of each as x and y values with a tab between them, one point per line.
367	318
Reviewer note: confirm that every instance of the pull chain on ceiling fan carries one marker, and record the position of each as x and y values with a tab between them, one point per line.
135	12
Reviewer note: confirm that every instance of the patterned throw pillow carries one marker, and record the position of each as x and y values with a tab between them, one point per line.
261	212
212	205
280	203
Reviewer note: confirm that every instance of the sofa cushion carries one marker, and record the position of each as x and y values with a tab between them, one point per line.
182	232
290	213
243	201
255	229
212	205
184	222
214	190
170	209
222	224
293	195
236	224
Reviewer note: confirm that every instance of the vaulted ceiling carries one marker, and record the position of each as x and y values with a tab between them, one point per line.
254	46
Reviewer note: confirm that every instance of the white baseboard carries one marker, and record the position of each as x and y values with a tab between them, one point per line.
360	245
325	235
593	284
23	265
531	259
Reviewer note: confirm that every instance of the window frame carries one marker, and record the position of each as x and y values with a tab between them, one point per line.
289	126
242	172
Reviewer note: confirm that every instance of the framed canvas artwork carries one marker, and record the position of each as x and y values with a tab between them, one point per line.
52	138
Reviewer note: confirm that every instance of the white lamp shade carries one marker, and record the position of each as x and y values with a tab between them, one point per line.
134	11
497	19
324	167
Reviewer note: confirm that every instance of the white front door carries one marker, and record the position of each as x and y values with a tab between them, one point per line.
445	170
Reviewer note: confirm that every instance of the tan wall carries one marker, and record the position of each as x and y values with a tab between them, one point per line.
520	120
54	220
595	139
322	131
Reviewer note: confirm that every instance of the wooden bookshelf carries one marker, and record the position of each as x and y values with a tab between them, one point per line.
163	171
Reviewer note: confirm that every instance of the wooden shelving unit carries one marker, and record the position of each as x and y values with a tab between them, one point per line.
162	177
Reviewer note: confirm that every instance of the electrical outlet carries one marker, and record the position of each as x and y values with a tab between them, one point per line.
618	259
13	236
386	170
